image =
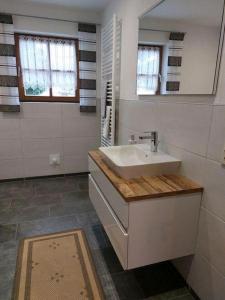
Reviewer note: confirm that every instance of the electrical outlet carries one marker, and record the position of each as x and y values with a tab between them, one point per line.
54	159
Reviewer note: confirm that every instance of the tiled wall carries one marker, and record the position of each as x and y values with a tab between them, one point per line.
27	138
195	133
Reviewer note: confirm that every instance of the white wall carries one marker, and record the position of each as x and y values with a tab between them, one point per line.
49	11
27	138
40	129
191	128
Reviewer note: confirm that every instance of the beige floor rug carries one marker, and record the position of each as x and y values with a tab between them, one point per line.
56	267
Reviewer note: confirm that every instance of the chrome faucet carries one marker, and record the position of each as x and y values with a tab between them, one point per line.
153	137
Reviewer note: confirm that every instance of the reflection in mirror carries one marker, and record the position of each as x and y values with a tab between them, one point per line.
179	48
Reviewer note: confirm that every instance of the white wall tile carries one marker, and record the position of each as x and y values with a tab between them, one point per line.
205	280
192	165
72	110
40	110
217	134
41	128
211	240
9	128
185	126
125	133
139	116
10	148
79	146
75	164
42	147
40	167
11	168
80	127
37	131
214	185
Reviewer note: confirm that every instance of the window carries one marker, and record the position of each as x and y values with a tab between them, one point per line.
149	69
48	68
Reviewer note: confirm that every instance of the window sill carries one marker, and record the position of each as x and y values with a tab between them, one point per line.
59	100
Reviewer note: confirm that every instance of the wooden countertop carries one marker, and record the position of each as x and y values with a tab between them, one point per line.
146	187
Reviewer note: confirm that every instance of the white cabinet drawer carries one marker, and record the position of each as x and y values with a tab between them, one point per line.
112	226
117	203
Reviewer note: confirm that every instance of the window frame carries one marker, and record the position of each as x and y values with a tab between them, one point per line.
158	92
23	97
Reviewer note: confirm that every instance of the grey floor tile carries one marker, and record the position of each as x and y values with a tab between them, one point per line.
88	218
187	297
106	261
109	287
17	215
17	188
7	232
48	225
171	295
6	290
127	287
47	205
158	279
71	208
54	185
47	199
8	216
6	282
72	197
5	203
4	194
8	251
82	182
97	237
31	213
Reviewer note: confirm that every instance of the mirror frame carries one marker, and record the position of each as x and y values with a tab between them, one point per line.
218	60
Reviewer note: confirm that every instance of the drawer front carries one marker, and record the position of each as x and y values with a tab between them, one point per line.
117	203
112	226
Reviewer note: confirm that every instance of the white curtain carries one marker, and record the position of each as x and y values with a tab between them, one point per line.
35	65
48	63
148	70
63	67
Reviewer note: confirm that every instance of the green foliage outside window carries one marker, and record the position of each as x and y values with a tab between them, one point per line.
35	91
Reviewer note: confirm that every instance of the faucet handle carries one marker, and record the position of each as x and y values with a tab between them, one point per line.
132	140
147	132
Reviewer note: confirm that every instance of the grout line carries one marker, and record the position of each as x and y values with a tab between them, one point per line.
213	214
181	296
211	265
210	132
16	231
209	101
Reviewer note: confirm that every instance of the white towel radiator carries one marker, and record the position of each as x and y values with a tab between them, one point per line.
110	72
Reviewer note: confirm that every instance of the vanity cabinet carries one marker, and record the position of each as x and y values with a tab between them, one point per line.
144	230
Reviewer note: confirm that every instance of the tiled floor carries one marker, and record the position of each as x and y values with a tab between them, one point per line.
48	205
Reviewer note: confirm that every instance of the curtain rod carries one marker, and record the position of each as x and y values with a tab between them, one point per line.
52	19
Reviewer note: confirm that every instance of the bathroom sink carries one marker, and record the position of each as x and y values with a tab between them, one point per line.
133	161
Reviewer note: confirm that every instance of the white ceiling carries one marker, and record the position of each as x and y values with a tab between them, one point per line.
205	12
95	5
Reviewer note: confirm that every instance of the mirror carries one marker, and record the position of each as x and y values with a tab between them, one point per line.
179	48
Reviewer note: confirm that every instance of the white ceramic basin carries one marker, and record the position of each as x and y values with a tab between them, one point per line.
133	161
